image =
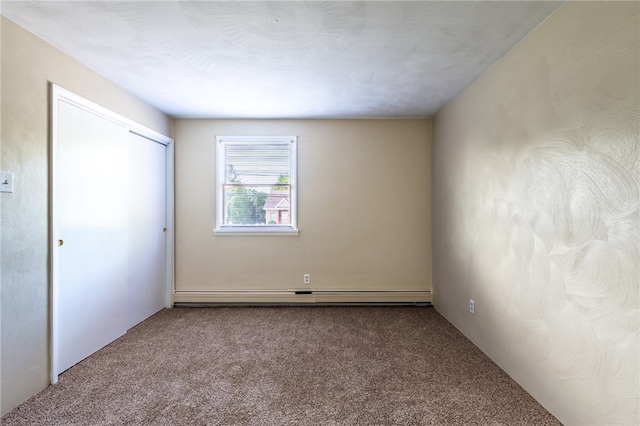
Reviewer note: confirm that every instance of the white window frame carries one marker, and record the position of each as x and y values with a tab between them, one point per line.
292	227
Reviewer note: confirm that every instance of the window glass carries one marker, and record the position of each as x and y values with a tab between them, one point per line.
256	184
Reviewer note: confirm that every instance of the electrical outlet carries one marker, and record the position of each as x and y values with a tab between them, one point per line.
472	306
307	278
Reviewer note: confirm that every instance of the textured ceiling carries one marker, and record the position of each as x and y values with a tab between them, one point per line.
285	59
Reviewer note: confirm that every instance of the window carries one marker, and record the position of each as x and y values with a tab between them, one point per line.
256	185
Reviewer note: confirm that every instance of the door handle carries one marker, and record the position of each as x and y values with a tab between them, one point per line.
60	243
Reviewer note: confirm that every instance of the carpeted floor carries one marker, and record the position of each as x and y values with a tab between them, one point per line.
286	366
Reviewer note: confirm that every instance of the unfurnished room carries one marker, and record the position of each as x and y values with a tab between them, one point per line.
334	213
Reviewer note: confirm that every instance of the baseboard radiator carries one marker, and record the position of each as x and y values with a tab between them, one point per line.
300	297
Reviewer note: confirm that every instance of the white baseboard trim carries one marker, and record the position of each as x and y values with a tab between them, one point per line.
297	297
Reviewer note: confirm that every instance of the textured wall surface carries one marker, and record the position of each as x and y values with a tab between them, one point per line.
536	212
363	209
28	65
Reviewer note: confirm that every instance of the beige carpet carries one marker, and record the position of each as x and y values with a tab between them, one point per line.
286	366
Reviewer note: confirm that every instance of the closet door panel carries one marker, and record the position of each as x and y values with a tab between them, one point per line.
147	221
91	222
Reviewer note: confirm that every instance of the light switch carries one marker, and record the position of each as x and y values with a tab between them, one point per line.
6	182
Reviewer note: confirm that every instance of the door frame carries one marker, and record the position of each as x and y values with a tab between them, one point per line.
59	94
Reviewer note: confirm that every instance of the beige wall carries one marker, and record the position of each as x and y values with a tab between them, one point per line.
536	212
363	209
28	64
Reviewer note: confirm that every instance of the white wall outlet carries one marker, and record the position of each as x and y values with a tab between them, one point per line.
6	182
307	278
472	306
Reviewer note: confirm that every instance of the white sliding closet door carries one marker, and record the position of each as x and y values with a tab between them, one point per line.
91	222
108	228
147	222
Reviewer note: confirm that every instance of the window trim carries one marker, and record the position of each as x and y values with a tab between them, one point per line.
290	229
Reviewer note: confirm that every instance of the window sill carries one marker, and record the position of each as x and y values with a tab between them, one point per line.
255	230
